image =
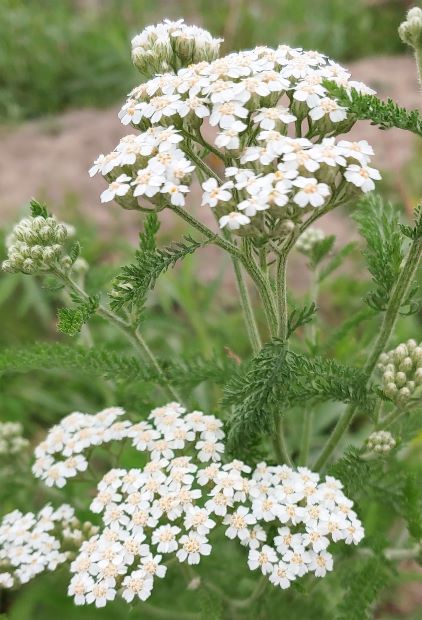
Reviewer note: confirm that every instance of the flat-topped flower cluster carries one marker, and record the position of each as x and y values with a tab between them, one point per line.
286	519
11	439
33	543
264	113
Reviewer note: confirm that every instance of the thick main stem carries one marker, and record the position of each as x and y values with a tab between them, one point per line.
132	335
398	296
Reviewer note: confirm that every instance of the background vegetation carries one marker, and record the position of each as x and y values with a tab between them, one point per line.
56	54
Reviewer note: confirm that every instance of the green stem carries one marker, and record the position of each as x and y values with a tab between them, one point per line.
279	441
248	313
132	335
398	295
282	296
308	417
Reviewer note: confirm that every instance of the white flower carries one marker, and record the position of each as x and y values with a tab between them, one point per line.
234	220
165	538
214	193
176	193
138	584
311	192
192	546
328	107
198	519
263	558
225	114
146	183
119	187
268	118
361	150
362	176
239	522
321	563
282	575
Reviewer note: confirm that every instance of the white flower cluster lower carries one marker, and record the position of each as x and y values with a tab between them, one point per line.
33	543
286	519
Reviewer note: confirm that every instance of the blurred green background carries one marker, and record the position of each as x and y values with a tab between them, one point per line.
60	53
57	55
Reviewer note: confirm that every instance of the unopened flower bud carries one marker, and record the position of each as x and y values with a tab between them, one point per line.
410	31
381	442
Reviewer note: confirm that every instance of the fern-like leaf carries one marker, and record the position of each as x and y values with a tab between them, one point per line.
135	280
378	223
385	114
276	379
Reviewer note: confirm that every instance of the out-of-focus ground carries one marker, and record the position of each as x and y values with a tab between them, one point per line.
50	158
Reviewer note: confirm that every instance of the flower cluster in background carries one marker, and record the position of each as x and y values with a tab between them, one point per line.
265	113
401	370
33	543
307	240
11	440
285	519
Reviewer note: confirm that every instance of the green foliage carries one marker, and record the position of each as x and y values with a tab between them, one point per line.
210	605
300	316
105	362
337	260
414	232
353	471
378	223
364	586
38	209
321	250
276	379
385	114
71	320
135	280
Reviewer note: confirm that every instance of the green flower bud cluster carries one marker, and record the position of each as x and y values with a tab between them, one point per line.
169	46
401	371
308	239
11	440
380	442
37	244
410	31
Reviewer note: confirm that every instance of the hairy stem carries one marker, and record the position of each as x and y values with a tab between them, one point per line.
281	289
132	335
248	313
398	295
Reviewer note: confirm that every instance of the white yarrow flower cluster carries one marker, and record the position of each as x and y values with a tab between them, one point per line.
11	440
37	244
173	503
401	370
272	124
31	544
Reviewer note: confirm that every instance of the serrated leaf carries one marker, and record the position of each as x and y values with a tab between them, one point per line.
299	317
75	252
321	249
38	209
276	379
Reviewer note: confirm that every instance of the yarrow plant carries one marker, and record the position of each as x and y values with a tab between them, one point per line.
276	481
